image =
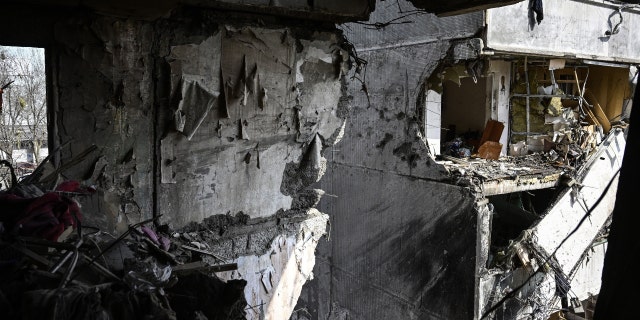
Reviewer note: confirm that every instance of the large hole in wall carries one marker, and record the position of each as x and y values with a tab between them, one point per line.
465	111
456	112
513	214
542	122
23	111
579	99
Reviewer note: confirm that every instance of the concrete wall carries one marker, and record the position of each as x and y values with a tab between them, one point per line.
402	243
117	84
103	86
260	142
257	106
514	29
598	194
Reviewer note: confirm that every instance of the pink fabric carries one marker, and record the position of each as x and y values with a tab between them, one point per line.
44	217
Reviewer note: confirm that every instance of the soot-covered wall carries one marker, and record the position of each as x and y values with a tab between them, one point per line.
402	243
205	117
214	122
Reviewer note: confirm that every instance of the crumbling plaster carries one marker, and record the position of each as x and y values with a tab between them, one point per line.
260	105
108	74
255	149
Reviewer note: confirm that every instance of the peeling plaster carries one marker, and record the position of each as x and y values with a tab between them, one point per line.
216	110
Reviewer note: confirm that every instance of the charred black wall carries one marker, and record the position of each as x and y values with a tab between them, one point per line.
402	242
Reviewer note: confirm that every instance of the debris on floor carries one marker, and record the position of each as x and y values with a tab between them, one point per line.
543	162
51	264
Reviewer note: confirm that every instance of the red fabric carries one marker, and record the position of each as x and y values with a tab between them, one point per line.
45	217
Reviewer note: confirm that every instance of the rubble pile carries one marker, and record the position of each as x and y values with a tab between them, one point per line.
54	267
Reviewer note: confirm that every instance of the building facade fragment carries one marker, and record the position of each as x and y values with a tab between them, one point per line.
443	92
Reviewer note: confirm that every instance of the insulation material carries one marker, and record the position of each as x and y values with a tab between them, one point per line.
610	87
519	107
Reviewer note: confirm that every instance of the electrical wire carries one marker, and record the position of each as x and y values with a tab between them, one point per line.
513	292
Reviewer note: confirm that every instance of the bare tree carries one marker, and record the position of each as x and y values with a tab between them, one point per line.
23	121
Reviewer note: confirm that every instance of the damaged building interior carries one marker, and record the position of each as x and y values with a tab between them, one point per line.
361	159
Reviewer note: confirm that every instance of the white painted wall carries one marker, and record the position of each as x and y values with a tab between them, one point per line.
569	28
500	98
433	120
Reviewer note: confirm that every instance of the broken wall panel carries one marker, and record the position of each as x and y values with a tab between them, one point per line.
552	37
386	258
103	79
385	133
259	125
587	278
275	278
600	179
318	73
401	49
564	239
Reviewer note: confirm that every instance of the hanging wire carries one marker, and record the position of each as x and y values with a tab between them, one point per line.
513	292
